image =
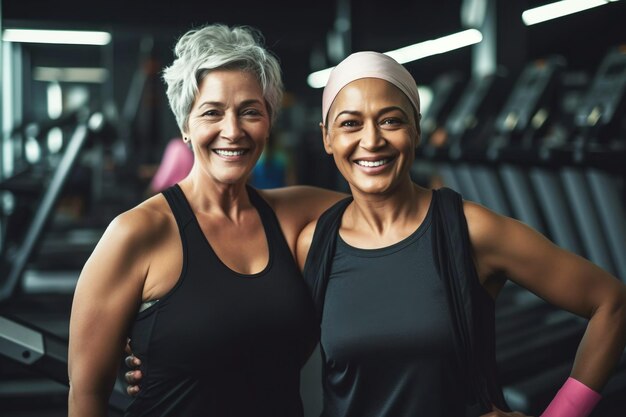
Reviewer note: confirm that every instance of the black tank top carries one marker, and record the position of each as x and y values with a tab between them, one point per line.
221	343
471	309
387	339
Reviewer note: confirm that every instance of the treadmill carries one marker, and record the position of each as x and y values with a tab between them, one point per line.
38	350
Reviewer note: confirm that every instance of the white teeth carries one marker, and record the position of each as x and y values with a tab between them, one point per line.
372	163
222	152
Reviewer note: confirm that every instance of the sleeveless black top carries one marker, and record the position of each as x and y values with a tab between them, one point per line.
221	343
387	338
470	308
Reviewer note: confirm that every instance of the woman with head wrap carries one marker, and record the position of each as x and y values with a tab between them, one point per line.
404	278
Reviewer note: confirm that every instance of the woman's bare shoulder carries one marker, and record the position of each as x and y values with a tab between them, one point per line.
142	223
483	224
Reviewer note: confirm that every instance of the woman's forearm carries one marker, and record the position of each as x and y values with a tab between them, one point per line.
82	404
602	344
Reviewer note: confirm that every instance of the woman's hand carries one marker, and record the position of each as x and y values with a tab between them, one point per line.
133	377
499	413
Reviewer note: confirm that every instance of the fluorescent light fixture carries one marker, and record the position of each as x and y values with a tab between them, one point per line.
70	74
436	46
318	79
559	9
414	52
70	37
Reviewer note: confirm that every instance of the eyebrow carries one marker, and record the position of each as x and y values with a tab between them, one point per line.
380	112
350	112
250	101
221	105
393	108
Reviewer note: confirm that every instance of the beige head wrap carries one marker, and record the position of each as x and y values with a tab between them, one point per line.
369	65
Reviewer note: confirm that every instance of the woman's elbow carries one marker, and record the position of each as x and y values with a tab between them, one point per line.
84	402
614	306
89	390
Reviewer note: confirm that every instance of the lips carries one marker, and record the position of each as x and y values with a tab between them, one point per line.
230	152
372	164
373	161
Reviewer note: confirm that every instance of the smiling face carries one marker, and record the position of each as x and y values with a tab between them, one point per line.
228	125
372	135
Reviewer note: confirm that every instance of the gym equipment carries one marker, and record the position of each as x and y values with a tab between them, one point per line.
517	127
47	237
601	147
21	342
15	263
470	126
446	90
521	127
467	128
46	354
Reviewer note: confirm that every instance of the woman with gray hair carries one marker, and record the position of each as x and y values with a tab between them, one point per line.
202	277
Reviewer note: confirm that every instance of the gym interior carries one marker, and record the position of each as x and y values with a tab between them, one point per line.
524	115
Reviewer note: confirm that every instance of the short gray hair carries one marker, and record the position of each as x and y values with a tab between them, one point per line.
217	46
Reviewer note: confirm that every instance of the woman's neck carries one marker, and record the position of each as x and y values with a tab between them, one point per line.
216	199
377	214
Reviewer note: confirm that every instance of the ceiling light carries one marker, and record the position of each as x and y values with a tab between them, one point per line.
414	52
559	9
70	74
436	46
318	79
70	37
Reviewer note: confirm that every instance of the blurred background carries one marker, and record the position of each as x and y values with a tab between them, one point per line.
523	112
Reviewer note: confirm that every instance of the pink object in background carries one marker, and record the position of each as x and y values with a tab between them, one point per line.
175	165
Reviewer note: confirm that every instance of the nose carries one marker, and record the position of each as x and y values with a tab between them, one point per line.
372	138
231	128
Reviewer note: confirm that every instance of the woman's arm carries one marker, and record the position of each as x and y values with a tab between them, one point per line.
299	205
506	246
106	300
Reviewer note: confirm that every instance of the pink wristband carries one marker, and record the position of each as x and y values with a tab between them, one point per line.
574	399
